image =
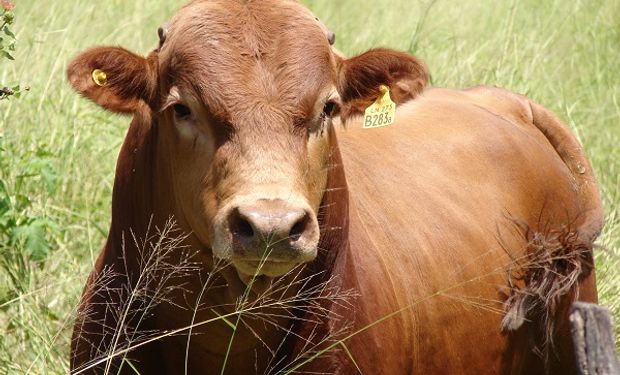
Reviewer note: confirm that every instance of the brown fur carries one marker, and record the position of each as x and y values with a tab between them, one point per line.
410	272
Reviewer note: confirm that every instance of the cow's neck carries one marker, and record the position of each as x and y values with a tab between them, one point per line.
334	214
133	194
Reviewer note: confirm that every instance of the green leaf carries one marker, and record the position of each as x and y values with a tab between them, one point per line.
50	313
9	32
22	202
5	202
228	322
9	17
346	349
33	237
7	55
8	224
42	152
4	191
131	365
7	295
50	177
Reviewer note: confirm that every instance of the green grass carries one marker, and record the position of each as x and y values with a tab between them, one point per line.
60	150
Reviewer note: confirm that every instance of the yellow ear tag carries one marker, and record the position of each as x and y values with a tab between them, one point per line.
99	77
382	112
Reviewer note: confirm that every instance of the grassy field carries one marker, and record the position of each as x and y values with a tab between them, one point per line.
57	151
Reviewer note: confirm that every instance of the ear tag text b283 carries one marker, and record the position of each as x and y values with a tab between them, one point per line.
382	112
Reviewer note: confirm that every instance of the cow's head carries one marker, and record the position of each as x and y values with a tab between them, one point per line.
244	93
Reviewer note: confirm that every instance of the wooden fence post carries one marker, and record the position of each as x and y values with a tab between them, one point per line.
593	339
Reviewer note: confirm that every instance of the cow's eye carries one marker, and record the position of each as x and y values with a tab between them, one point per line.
181	111
330	108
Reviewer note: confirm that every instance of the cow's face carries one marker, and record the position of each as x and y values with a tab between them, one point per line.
244	94
247	110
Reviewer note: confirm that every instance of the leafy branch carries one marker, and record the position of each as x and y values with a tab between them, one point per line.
7	44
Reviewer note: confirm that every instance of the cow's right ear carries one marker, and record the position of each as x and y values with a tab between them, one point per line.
114	78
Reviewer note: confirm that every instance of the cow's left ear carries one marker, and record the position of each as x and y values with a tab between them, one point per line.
361	77
115	78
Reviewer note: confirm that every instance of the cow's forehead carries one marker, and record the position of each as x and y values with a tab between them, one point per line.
234	53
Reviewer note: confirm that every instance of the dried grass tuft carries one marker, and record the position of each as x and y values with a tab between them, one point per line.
133	299
299	298
542	281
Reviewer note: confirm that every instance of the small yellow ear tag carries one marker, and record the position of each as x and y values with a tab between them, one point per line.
382	112
100	77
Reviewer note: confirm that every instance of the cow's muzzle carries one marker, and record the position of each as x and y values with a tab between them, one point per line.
270	237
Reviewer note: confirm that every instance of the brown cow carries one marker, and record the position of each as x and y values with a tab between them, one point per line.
455	244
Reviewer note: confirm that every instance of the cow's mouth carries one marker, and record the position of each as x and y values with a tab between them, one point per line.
259	276
248	269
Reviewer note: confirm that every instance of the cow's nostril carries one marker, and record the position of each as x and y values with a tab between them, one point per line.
240	227
299	228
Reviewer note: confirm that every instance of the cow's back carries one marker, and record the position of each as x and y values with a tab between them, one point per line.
444	205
